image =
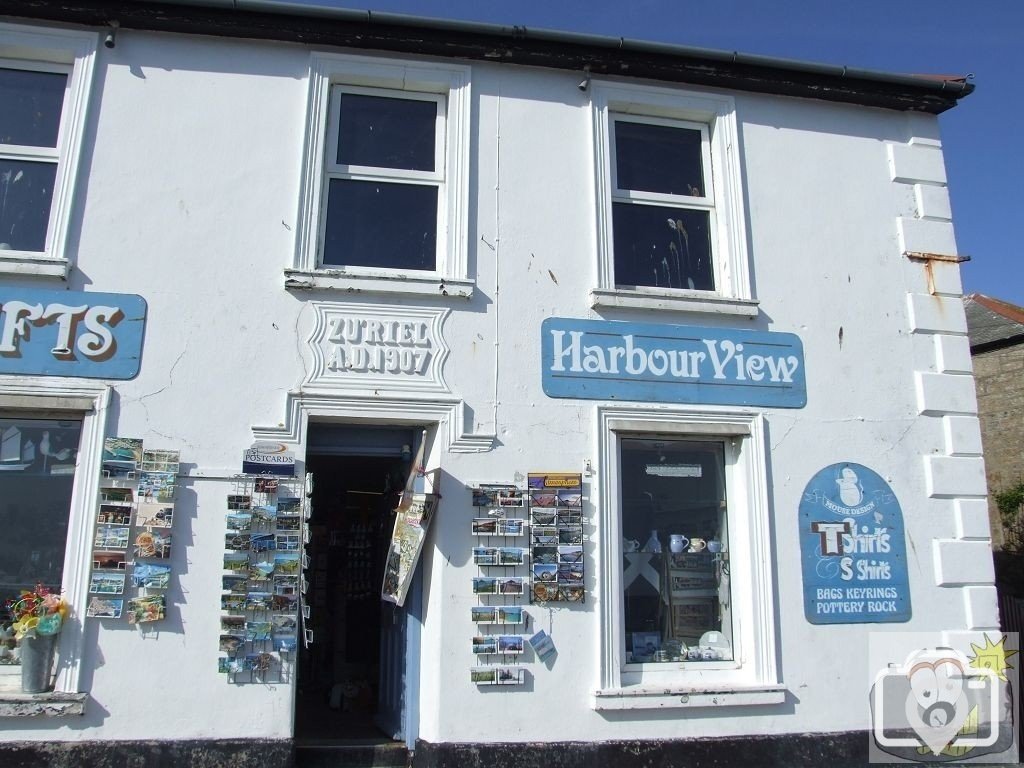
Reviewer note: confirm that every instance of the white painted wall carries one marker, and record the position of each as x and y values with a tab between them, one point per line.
188	197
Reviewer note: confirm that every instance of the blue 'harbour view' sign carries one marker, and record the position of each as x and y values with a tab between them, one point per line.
853	548
607	360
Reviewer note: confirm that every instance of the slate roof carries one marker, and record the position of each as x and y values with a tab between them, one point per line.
992	323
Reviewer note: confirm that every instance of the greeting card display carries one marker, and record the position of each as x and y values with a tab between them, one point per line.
556	537
134	517
261	580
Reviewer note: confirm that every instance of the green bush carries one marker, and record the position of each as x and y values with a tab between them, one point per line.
1010	502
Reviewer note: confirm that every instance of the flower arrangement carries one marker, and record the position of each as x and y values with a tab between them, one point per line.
37	612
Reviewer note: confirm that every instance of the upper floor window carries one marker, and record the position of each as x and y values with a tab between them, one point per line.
44	82
672	228
662	205
383	180
385	183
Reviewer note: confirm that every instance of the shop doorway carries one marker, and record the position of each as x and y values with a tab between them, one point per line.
356	678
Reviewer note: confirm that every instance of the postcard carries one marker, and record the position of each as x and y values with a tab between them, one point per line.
236	584
233	625
544	592
570	554
545	555
258	601
542	645
284	602
238	541
262	542
288	505
511	497
485	644
231	643
543	516
236	561
485	556
114	514
111	537
511	586
146	609
570	498
484	675
485	496
157	486
284	622
154	514
262	571
266	485
238	521
286	585
286	562
284	643
544	535
120	496
153	544
288	522
484	614
226	666
570	516
158	460
234	602
572	594
104	608
151	576
121	456
511	555
288	542
264	513
511	675
485	586
571	573
510	614
485	526
106	584
545	571
510	526
572	535
510	644
239	502
108	561
258	630
645	645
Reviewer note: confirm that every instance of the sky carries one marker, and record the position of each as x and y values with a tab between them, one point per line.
982	136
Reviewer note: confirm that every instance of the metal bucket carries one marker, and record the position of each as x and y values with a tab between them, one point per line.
37	662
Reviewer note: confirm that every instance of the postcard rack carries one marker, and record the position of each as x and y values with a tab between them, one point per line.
262	578
134	518
501	582
556	537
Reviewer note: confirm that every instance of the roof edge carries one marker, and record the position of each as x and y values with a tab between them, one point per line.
338	27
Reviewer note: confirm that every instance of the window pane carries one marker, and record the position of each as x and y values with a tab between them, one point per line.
662	247
658	158
32	103
376	224
37	464
26	190
387	133
675	575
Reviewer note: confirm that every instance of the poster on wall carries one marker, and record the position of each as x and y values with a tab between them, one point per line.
853	548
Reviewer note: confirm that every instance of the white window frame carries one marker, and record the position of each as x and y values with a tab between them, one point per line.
402	79
715	116
752	676
88	401
74	53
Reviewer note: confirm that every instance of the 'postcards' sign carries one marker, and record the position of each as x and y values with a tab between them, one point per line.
603	360
71	333
853	548
268	459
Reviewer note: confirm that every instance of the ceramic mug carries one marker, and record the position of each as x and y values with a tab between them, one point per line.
697	545
714	546
630	545
678	543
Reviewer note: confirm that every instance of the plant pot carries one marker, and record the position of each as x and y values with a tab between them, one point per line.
37	662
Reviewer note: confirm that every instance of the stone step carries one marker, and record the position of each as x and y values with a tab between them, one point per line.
352	755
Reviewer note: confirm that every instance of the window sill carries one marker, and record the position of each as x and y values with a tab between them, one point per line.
402	284
676	301
678	698
32	264
42	704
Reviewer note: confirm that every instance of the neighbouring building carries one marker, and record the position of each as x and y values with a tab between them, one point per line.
635	376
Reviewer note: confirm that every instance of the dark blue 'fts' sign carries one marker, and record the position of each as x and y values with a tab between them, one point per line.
853	548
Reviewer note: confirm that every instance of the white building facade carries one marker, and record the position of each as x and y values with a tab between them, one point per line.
717	290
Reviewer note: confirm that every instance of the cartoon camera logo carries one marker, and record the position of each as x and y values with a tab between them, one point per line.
939	706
